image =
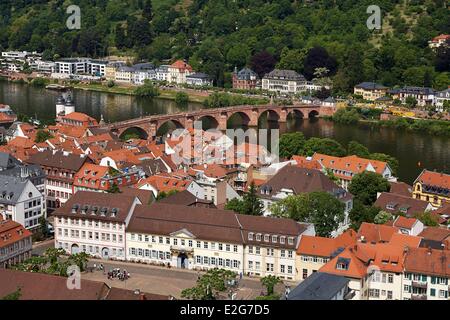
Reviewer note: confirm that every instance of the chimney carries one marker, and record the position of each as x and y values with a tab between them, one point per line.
429	250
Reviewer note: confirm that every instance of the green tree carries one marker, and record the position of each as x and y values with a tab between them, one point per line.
361	213
80	260
320	208
428	219
42	136
365	186
325	146
346	116
356	148
236	205
164	194
382	217
181	99
252	204
411	102
291	144
269	282
209	285
147	90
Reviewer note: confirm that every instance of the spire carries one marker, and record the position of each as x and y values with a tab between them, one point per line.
102	121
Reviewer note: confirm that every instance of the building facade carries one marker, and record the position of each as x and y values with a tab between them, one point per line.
15	243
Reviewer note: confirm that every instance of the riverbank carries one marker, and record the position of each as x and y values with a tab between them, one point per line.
429	126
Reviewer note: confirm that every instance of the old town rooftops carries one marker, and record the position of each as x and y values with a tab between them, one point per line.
325	247
301	180
353	164
11	232
97	206
434	180
428	261
216	225
394	203
58	159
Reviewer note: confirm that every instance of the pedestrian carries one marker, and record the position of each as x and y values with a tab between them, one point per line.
240	276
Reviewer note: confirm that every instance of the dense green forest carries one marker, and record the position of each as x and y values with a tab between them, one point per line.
217	35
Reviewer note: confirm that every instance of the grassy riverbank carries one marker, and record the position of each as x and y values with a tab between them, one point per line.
429	126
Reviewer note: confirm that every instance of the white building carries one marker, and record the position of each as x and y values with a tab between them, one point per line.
283	82
441	97
21	201
203	238
94	223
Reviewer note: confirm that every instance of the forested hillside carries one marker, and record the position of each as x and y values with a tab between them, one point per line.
216	35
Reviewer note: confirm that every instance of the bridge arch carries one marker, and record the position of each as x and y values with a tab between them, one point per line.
168	126
134	132
295	114
313	114
208	122
238	118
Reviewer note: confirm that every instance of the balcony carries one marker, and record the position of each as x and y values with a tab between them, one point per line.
422	285
418	297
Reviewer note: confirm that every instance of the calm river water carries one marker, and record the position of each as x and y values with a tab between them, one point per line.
409	148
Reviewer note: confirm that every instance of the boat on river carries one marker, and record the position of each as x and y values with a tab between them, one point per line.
56	87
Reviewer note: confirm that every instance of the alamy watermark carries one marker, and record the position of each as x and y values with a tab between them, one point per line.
374	20
249	146
74	278
73	22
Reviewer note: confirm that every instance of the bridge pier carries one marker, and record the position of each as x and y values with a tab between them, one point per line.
223	118
283	115
153	128
254	116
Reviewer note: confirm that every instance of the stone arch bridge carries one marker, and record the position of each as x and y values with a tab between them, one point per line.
249	114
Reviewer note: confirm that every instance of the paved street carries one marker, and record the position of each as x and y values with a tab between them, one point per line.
39	248
165	281
154	279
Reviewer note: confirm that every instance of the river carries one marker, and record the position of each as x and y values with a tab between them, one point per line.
410	148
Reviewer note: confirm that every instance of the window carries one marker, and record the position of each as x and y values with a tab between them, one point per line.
282	253
227	247
257	250
433	292
257	265
250	249
270	252
269	267
199	244
282	268
190	243
274	239
258	237
290	269
205	245
250	264
443	294
390	278
235	248
290	254
282	239
291	240
266	238
250	236
305	274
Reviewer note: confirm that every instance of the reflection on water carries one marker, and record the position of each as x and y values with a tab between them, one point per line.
408	147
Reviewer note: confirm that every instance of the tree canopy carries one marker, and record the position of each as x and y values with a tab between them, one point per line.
365	186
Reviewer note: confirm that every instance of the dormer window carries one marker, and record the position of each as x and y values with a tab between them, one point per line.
114	212
290	240
266	238
274	239
258	237
282	239
250	236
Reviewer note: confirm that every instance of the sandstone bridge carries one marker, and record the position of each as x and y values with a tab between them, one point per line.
249	114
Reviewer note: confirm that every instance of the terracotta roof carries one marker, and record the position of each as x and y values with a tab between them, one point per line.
353	267
212	170
78	116
436	179
11	231
124	294
441	37
90	173
404	222
374	233
180	64
404	240
117	206
307	163
435	233
122	157
21	142
395	203
428	261
164	183
325	247
352	164
401	188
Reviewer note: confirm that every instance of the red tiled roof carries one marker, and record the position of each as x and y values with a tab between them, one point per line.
180	64
437	179
404	222
164	183
374	233
11	232
352	164
428	261
307	163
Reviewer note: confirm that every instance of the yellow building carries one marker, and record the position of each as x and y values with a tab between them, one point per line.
433	187
370	91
